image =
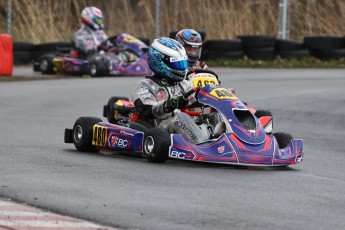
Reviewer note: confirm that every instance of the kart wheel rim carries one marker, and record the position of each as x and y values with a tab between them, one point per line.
93	69
149	145
43	64
78	133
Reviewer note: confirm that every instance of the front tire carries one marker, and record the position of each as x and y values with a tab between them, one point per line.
156	145
83	132
283	139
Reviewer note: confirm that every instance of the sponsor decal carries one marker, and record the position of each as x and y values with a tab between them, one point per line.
161	95
181	155
184	129
127	133
116	141
221	149
99	135
113	141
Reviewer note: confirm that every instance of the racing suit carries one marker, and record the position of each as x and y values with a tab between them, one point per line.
87	40
149	97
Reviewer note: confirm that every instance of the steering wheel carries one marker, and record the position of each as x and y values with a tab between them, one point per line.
186	108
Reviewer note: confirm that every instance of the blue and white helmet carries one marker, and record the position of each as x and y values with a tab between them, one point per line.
192	42
168	58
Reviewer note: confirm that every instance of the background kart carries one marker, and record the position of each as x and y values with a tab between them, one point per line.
127	57
244	143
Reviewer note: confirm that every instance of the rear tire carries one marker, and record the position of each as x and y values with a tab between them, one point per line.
156	145
98	68
46	65
83	132
109	109
283	139
261	113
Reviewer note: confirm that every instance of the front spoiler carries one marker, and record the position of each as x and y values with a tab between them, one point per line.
228	149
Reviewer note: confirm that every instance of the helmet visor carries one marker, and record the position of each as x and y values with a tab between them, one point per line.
178	63
98	21
193	51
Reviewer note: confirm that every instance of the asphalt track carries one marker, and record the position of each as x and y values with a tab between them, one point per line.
38	168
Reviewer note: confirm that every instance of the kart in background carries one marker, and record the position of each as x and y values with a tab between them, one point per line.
127	57
245	142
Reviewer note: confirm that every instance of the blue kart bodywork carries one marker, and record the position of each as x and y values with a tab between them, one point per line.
245	141
246	144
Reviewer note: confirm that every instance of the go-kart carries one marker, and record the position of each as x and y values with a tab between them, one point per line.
127	56
245	142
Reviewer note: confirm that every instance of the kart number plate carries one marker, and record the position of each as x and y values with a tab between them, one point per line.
99	136
222	93
59	65
203	81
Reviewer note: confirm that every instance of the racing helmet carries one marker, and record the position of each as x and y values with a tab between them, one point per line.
167	58
192	42
92	17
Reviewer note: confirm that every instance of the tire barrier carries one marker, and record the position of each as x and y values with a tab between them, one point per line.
288	49
326	47
254	47
22	52
222	49
6	55
259	47
55	48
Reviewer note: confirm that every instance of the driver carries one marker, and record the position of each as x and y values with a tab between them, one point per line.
160	97
192	42
91	35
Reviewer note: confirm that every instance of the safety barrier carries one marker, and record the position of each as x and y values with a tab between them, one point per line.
6	55
254	47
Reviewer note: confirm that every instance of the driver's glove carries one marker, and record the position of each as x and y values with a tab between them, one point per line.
176	103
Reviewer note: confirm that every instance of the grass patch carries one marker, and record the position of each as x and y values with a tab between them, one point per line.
309	62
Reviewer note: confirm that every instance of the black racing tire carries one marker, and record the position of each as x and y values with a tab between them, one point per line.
261	113
294	54
52	46
257	41
156	145
232	55
109	109
330	54
283	139
224	45
264	54
140	126
46	65
22	57
83	133
324	42
288	45
97	68
23	46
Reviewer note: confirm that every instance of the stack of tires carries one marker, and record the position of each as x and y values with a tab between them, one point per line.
56	48
222	49
289	49
326	47
259	47
22	52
